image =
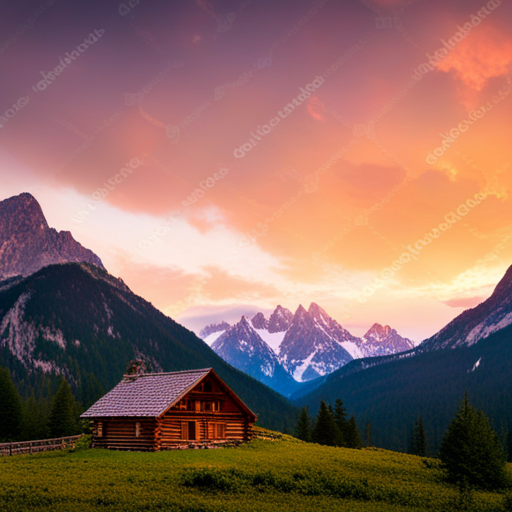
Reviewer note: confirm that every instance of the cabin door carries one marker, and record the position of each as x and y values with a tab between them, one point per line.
192	430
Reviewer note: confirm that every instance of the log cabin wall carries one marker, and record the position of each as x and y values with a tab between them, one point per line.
125	433
203	416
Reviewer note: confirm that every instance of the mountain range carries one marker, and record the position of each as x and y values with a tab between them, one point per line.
472	354
291	348
63	314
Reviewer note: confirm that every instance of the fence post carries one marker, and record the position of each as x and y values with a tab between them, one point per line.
30	448
10	449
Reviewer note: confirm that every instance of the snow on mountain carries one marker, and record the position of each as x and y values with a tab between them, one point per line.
241	346
383	340
305	345
477	323
312	345
272	339
212	329
213	337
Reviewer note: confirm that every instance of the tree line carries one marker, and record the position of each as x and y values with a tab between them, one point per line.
32	419
330	427
471	453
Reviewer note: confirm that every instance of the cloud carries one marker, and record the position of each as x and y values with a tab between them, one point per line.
465	302
484	54
198	317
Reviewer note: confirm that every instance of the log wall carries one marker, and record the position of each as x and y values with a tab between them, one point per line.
119	433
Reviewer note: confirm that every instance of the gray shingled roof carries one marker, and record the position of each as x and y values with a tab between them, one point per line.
149	394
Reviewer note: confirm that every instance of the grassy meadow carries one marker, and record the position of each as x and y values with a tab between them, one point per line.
265	475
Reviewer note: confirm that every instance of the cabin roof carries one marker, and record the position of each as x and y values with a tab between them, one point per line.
146	395
152	394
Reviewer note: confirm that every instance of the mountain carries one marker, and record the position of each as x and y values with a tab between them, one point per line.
477	323
79	321
312	346
280	320
307	345
391	396
213	329
242	347
28	244
472	353
383	340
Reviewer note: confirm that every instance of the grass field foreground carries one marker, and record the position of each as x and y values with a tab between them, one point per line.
264	475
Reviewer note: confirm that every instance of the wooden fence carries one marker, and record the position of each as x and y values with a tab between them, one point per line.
42	445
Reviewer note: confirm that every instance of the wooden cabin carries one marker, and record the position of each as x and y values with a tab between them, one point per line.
158	411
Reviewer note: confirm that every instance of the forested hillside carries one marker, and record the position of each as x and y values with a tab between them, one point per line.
79	321
391	396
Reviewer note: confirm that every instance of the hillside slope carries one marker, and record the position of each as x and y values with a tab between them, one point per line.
77	320
391	396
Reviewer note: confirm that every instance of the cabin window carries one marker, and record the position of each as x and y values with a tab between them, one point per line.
198	405
99	429
216	406
137	429
216	430
207	406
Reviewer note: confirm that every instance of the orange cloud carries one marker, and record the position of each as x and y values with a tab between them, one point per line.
484	54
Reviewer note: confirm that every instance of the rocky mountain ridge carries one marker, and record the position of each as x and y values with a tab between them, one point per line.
28	244
305	345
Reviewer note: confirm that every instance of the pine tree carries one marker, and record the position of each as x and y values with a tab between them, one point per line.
352	436
303	429
340	417
11	408
418	439
325	430
64	412
471	452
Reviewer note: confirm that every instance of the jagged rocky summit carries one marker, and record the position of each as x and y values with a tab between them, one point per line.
301	345
28	244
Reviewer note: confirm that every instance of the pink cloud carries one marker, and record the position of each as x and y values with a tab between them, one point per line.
466	303
484	54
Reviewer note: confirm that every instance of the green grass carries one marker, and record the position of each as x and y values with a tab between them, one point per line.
264	475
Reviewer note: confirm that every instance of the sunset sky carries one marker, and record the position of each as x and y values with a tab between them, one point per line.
224	157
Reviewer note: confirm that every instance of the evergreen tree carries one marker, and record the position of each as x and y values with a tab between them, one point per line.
418	439
340	417
352	436
471	452
325	430
303	429
11	408
64	412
